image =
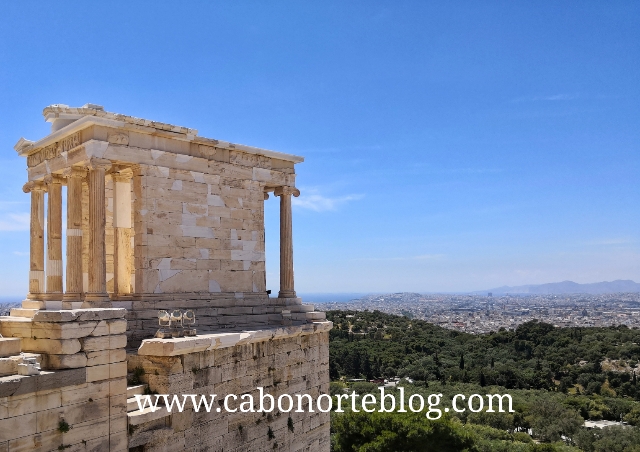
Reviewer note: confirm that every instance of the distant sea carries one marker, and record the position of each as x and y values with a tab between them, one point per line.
330	297
306	297
15	299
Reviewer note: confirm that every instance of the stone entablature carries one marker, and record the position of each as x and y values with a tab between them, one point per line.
130	131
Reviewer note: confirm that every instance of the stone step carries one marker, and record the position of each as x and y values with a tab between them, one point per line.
22	312
138	417
133	390
132	404
302	308
316	315
311	316
33	304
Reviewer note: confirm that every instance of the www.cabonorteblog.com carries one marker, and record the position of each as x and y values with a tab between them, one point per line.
266	403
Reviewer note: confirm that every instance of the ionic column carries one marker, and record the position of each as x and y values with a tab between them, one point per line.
96	295
36	245
122	231
286	241
74	177
54	237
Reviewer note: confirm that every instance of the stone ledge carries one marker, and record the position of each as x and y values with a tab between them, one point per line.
21	384
138	417
186	345
79	315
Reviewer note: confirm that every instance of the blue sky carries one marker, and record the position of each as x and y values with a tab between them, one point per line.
449	146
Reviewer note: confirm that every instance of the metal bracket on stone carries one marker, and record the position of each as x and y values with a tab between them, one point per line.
176	324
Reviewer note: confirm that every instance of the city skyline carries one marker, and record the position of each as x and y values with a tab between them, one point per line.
447	149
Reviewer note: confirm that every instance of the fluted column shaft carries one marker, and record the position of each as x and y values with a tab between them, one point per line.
54	237
97	291
73	290
122	231
36	245
287	289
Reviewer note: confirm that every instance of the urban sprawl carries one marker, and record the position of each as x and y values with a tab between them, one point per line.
482	314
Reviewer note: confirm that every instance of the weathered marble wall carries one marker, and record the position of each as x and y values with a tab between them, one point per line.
197	232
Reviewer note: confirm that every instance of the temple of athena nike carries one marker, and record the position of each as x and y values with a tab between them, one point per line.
160	222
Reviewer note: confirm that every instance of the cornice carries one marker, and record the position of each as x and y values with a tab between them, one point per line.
25	147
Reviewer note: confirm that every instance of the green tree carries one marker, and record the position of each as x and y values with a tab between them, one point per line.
550	420
384	432
633	416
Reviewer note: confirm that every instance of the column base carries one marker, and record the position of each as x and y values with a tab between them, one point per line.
34	296
51	296
72	296
96	300
287	294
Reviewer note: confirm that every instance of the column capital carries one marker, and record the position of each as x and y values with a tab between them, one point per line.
33	186
122	174
74	171
53	179
96	163
286	191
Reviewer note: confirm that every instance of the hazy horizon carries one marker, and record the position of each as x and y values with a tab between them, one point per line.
321	297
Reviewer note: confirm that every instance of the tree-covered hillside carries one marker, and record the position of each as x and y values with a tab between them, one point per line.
558	378
534	356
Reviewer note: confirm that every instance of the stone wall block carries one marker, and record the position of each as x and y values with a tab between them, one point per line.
19	426
171	384
162	365
51	346
106	371
100	343
74	361
82	393
94	428
76	414
70	330
30	403
97	358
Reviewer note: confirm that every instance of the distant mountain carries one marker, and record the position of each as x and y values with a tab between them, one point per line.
566	287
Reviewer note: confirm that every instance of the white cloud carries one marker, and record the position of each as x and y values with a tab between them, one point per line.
21	253
406	258
319	203
615	241
15	222
558	97
552	97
